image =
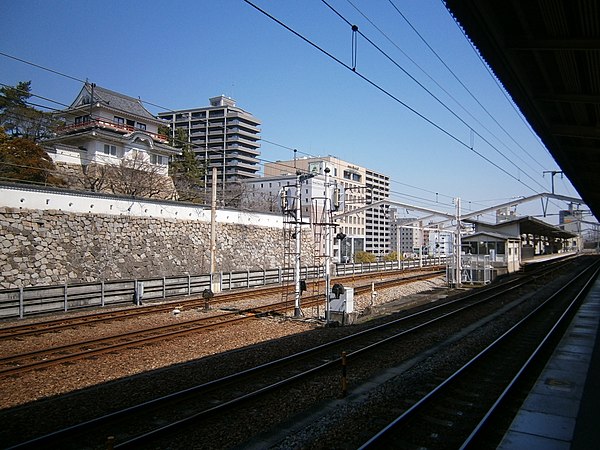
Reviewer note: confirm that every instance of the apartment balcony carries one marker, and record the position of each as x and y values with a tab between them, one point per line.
250	158
241	165
250	144
251	128
108	125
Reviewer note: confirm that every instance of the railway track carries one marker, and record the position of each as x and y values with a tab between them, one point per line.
203	404
468	408
47	357
65	322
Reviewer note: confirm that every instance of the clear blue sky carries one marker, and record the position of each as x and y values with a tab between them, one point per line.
177	54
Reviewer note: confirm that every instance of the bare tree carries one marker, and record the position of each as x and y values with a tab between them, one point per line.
137	177
255	200
94	177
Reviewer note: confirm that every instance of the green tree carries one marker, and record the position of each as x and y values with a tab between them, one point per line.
21	120
364	257
23	160
391	256
186	169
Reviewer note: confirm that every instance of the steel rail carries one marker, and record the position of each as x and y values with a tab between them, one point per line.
68	322
105	316
365	350
379	439
471	440
488	295
164	332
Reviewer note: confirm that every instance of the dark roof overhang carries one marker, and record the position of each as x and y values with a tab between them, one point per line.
547	55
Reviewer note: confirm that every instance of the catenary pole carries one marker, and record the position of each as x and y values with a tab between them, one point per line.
327	212
213	219
457	250
297	237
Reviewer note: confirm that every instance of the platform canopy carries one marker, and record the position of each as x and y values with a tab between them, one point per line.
546	53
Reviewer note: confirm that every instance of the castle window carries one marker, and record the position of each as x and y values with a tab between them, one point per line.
81	119
158	159
110	150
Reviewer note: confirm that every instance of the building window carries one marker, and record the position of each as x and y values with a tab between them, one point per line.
119	120
141	126
110	150
158	159
81	119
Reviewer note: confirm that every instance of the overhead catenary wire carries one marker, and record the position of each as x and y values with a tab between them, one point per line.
439	101
500	88
466	88
168	109
198	145
437	84
389	94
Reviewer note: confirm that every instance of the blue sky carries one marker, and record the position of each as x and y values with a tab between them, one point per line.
177	54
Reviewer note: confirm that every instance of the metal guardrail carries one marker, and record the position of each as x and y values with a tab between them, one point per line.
29	301
352	268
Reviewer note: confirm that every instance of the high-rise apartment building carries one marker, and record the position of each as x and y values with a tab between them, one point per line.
377	219
222	134
405	237
364	230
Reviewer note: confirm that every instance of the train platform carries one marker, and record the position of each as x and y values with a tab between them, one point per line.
561	412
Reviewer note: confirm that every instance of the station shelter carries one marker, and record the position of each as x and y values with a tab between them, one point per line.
505	246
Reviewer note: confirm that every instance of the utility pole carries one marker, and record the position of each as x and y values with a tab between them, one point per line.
421	243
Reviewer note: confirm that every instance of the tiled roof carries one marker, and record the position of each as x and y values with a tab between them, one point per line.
119	101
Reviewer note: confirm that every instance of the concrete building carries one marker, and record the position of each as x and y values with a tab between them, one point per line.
224	135
377	221
366	230
278	193
406	237
264	194
409	236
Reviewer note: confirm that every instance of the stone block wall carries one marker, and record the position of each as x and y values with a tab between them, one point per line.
47	247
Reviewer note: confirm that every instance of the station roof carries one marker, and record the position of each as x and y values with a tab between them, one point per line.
546	53
527	225
531	225
495	236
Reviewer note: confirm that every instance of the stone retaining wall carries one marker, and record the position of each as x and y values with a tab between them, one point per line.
46	247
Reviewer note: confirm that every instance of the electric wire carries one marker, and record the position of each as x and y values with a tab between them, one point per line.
146	102
393	194
454	75
199	145
502	90
441	103
465	87
390	95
